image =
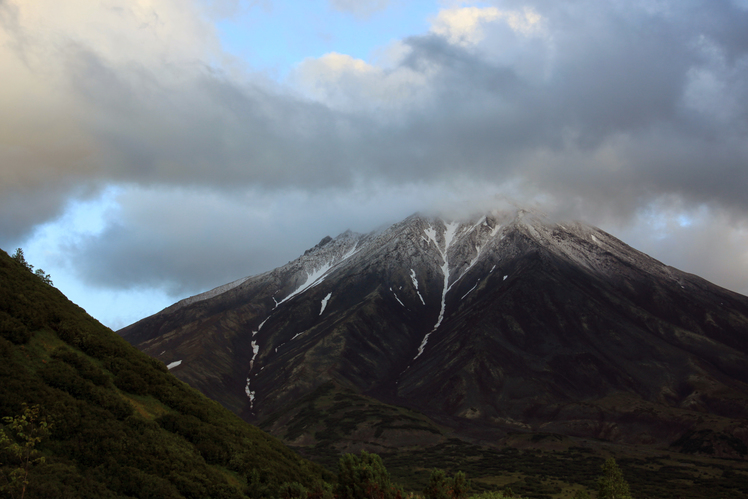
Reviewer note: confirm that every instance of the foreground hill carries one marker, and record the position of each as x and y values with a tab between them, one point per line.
121	425
501	324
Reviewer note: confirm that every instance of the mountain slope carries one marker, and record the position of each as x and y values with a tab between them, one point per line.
507	322
122	426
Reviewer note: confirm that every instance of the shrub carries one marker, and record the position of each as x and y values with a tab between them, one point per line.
441	486
364	477
611	484
129	381
292	490
13	330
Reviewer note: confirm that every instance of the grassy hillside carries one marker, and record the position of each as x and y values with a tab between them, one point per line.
332	421
120	424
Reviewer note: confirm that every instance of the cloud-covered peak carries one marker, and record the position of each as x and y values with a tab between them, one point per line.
599	110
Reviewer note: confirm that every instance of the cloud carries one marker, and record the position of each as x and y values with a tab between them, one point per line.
347	84
465	25
186	240
601	110
704	241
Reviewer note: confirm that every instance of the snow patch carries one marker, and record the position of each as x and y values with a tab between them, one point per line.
350	253
449	236
174	364
312	279
250	394
398	299
431	234
255	350
415	283
261	324
504	279
324	302
492	269
422	346
471	289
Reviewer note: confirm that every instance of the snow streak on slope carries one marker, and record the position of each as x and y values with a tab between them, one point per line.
415	283
250	394
319	272
312	279
255	350
471	289
324	302
398	299
316	267
449	235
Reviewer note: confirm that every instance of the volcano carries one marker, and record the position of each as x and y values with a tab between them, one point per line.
507	322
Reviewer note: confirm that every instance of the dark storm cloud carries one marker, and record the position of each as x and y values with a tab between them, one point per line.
601	109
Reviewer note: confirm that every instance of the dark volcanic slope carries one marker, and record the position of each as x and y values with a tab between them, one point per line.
507	321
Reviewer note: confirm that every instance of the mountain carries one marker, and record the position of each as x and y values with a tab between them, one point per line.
118	423
504	323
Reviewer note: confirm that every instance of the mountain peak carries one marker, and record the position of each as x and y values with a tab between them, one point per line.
505	319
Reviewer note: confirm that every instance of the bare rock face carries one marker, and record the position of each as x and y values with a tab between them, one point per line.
507	322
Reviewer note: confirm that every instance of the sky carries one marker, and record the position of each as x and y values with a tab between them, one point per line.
154	149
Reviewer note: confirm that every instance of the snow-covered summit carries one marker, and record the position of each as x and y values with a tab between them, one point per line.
441	250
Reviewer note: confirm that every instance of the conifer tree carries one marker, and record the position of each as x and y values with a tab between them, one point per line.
611	485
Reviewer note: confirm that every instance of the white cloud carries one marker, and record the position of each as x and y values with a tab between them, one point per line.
466	25
346	83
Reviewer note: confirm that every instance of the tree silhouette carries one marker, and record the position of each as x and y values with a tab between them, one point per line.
611	485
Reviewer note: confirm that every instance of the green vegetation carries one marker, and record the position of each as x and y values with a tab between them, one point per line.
611	484
363	477
330	414
21	259
546	474
441	486
26	431
548	465
87	415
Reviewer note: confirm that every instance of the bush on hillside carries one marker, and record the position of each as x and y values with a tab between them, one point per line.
441	486
364	477
611	484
